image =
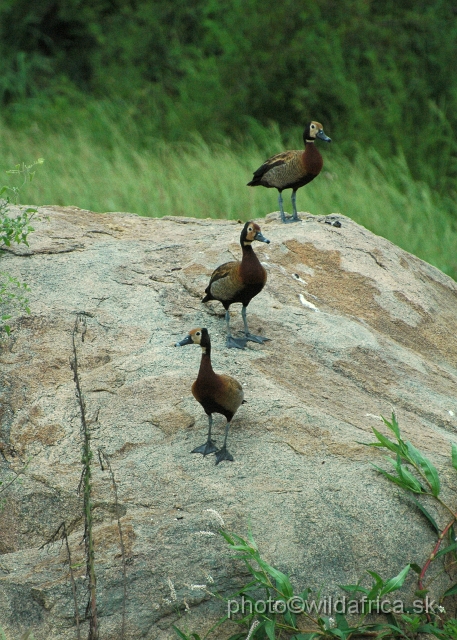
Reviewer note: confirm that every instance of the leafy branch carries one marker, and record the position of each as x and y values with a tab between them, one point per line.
85	483
14	230
417	475
296	615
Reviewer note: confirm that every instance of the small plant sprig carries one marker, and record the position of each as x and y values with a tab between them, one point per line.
16	229
12	299
106	463
86	484
417	475
62	534
298	616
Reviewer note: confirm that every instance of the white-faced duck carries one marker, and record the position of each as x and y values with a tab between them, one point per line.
217	393
292	169
239	282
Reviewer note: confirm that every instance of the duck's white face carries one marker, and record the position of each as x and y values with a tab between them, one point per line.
251	232
314	129
196	335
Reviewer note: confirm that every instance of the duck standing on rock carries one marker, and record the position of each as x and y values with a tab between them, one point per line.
217	393
239	282
292	169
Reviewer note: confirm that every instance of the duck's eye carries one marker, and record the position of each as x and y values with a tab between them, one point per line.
250	229
198	333
313	126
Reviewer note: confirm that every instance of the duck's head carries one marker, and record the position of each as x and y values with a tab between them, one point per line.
251	231
314	130
196	336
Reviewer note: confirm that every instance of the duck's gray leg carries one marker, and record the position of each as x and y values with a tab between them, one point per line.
231	342
223	453
209	446
294	217
281	208
247	333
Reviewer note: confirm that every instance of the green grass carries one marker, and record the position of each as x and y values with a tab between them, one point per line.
112	169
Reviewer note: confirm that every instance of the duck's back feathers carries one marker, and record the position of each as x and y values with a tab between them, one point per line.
289	169
278	160
224	282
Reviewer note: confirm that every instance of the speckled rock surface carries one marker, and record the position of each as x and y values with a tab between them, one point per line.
358	327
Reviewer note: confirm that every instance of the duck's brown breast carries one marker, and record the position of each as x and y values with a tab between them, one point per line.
251	272
312	160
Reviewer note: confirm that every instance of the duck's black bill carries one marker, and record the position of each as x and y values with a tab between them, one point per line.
187	340
261	238
321	135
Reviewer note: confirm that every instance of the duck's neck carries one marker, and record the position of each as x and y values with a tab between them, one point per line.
251	271
205	363
248	251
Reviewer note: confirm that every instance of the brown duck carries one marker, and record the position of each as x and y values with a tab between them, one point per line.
239	282
217	393
292	169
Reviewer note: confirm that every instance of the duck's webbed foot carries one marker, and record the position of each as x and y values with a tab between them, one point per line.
223	454
206	449
259	339
235	343
293	218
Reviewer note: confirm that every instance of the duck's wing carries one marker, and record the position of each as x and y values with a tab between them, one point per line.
224	282
285	157
223	271
233	394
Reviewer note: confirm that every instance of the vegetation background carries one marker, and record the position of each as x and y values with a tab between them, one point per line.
166	107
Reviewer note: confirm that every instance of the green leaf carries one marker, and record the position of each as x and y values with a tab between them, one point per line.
393	425
412	483
258	575
415	567
450	592
442	552
395	583
375	589
227	537
245	588
183	636
427	467
426	514
305	593
385	442
282	581
454	456
290	619
392	478
435	631
251	540
354	588
376	576
341	621
306	636
270	629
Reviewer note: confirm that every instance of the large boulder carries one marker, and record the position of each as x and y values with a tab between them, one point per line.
358	328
